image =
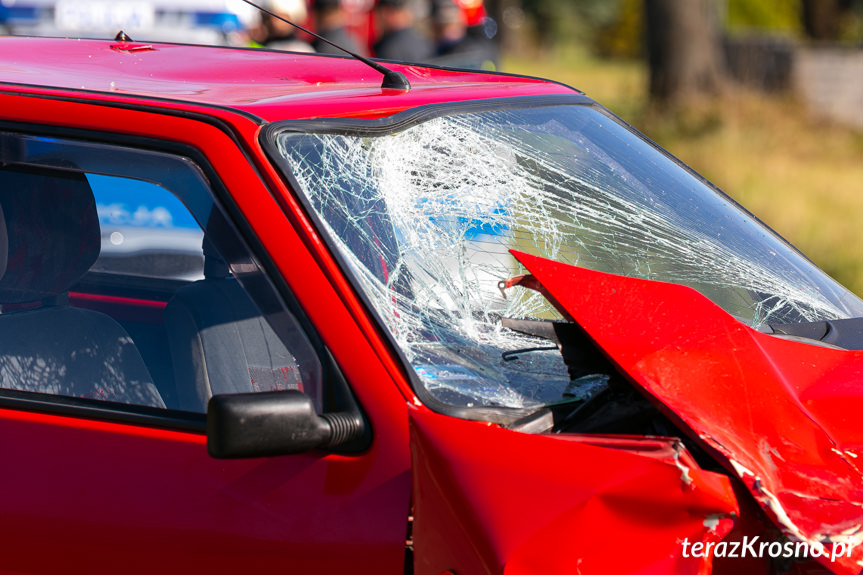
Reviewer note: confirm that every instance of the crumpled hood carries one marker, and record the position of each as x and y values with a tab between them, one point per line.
785	417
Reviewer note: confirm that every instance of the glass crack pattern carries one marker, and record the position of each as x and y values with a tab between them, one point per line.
426	218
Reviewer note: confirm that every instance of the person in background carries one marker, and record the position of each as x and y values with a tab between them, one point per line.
278	35
449	25
399	39
462	31
330	23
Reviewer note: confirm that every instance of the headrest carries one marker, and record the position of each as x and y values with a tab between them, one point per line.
52	230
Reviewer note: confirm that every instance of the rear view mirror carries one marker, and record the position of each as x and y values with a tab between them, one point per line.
246	425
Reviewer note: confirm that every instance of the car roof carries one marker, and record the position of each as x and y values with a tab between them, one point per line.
270	85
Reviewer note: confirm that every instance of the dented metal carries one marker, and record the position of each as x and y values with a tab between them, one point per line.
559	503
781	415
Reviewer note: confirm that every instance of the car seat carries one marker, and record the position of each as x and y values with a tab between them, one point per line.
220	342
49	238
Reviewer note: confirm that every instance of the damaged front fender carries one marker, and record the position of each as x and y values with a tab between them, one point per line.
493	500
783	416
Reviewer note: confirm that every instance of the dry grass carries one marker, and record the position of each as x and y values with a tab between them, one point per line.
801	176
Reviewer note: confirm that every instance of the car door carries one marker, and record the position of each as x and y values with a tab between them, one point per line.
110	472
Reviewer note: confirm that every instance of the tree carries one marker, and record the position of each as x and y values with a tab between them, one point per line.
684	52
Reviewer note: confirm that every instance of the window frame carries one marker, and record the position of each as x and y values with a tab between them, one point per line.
337	393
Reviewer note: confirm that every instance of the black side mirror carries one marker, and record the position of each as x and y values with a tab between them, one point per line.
246	425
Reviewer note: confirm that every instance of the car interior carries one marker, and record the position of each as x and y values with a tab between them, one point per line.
105	299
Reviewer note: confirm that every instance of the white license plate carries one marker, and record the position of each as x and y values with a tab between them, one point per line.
102	15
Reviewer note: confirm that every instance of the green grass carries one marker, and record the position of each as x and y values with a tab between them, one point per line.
802	176
617	85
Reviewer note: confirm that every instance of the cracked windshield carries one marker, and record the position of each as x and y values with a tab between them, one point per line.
426	216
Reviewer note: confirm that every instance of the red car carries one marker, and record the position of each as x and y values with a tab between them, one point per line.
271	312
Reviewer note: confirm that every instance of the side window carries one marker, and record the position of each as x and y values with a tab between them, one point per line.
146	230
122	280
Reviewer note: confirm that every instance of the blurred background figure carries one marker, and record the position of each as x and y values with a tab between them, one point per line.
273	33
463	35
330	23
399	39
449	25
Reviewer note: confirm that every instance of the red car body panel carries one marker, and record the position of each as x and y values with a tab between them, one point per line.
782	415
327	512
107	498
269	85
544	509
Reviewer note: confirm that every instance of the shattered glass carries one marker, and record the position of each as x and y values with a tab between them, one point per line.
426	215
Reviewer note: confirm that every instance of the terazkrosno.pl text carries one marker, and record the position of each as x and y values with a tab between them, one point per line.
752	547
